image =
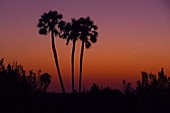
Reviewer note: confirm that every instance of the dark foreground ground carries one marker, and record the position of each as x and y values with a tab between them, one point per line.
103	102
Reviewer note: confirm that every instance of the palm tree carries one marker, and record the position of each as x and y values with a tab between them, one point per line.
88	34
45	80
51	23
71	32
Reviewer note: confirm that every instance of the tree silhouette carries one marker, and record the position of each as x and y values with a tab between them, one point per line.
45	80
13	79
51	23
71	32
162	80
151	83
32	79
88	35
95	88
127	87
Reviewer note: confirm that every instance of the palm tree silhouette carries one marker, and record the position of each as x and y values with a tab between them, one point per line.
45	80
71	32
88	35
51	23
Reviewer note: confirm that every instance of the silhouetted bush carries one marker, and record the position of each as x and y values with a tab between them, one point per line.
152	84
13	79
95	89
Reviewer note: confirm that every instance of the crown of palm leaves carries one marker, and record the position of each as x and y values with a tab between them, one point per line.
88	31
71	30
48	22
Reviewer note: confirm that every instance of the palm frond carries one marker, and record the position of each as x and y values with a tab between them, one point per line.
68	40
94	27
87	44
95	33
60	16
93	39
43	31
61	25
56	32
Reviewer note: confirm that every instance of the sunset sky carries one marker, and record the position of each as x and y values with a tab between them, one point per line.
134	36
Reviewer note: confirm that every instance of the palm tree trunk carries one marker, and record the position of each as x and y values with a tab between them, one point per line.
81	65
72	64
56	62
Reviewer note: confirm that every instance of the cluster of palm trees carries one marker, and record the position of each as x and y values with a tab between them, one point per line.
82	29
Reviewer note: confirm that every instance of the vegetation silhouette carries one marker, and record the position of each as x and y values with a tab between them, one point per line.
71	32
13	79
27	93
88	34
51	23
83	29
45	80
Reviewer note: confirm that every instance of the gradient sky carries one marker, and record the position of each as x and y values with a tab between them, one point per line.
134	36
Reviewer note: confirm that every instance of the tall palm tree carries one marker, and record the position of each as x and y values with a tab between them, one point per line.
71	32
51	23
88	35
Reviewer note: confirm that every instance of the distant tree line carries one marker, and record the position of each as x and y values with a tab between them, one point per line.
13	78
150	84
22	92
